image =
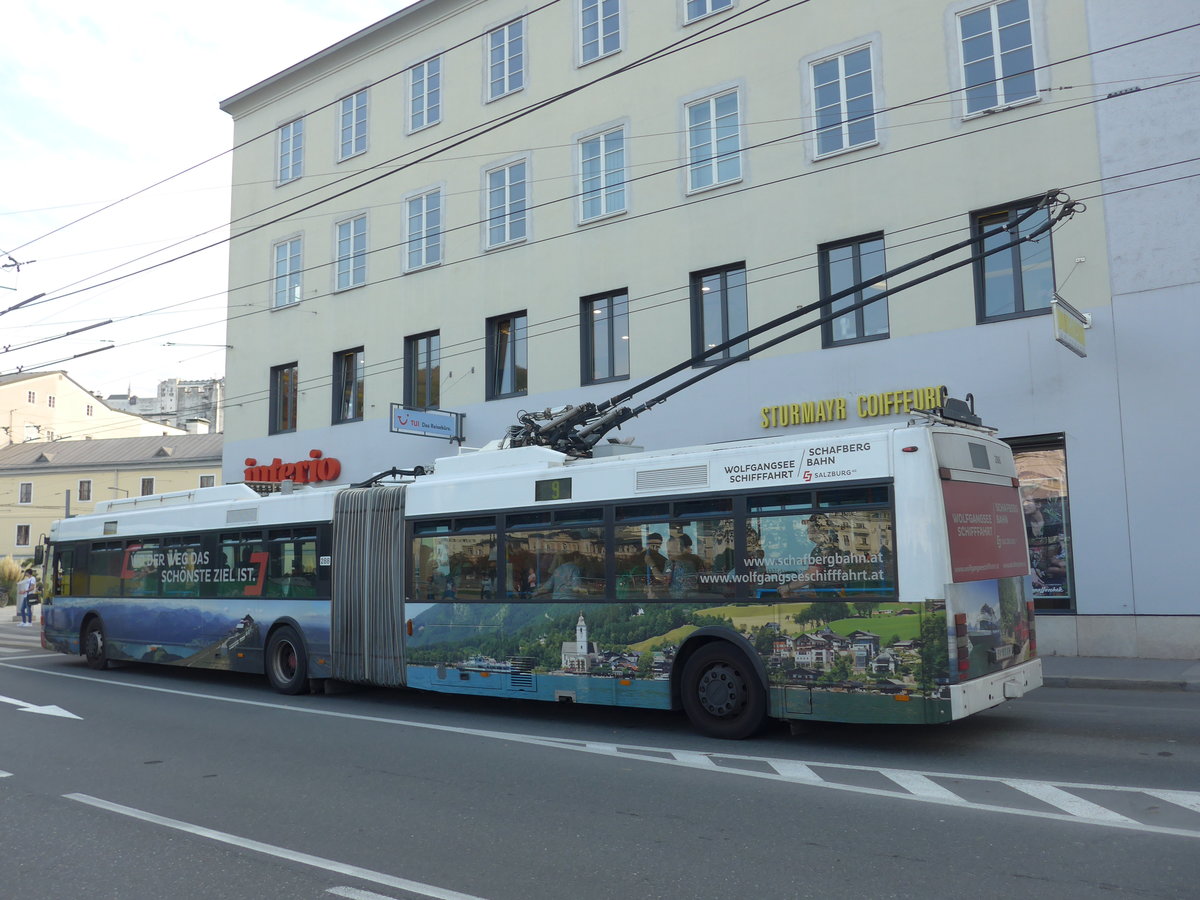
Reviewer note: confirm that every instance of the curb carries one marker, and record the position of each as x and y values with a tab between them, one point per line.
1126	684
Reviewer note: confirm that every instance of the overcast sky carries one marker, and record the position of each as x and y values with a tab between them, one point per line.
97	102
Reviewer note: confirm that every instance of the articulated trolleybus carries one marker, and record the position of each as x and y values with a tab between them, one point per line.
867	575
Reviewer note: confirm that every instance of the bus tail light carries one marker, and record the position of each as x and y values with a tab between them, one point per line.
408	627
1029	618
962	645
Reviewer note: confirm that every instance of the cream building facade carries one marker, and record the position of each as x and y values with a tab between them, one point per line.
42	482
491	207
51	406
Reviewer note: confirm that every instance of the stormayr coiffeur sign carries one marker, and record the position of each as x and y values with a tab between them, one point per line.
866	406
317	467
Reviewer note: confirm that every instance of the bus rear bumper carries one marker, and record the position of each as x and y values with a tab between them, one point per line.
992	690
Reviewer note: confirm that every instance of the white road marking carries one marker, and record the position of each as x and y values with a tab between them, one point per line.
25	706
1068	803
356	894
4	774
786	770
921	785
1186	799
318	862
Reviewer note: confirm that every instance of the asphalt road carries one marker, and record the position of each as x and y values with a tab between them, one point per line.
180	784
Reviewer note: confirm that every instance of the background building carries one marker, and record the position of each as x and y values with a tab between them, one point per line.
487	208
195	406
50	406
42	482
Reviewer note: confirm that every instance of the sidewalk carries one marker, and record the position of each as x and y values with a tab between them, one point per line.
1121	673
1057	671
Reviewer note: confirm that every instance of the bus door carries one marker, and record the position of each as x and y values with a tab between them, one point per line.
367	608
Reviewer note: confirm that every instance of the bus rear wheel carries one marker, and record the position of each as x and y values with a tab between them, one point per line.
95	651
722	693
287	662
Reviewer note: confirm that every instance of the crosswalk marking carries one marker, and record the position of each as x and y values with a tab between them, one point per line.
1186	799
1068	803
916	783
795	771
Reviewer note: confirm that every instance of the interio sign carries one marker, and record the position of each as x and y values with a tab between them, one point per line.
317	467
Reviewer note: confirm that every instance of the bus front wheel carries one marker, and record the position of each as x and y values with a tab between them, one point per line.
94	649
287	662
722	693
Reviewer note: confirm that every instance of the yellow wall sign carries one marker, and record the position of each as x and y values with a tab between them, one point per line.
865	406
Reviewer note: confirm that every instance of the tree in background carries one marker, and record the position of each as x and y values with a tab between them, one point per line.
10	574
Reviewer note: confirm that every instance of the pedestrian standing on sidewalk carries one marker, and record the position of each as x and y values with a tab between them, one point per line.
25	591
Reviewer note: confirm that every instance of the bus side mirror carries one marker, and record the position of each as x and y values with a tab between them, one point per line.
39	554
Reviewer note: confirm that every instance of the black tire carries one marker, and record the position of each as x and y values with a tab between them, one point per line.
287	662
94	645
722	693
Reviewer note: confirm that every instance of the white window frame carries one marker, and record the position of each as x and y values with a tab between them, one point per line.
31	397
142	487
290	146
211	479
511	65
290	281
702	142
350	253
843	123
425	94
607	26
609	184
423	243
707	8
79	492
352	125
1033	9
17	535
24	493
51	401
499	196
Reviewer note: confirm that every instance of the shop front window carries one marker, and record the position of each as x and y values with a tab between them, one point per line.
1042	470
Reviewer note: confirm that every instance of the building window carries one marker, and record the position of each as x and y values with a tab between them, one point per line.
602	174
600	28
844	101
424	221
51	401
25	492
698	9
287	281
997	55
349	369
714	141
604	333
84	492
283	398
719	311
425	94
506	59
353	121
1018	281
31	396
507	201
352	253
207	481
844	265
147	487
1042	472
422	363
291	151
88	410
507	356
22	536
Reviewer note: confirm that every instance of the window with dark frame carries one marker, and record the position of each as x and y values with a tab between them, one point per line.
507	356
84	492
843	265
422	364
1018	281
604	337
348	379
284	393
147	487
719	311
